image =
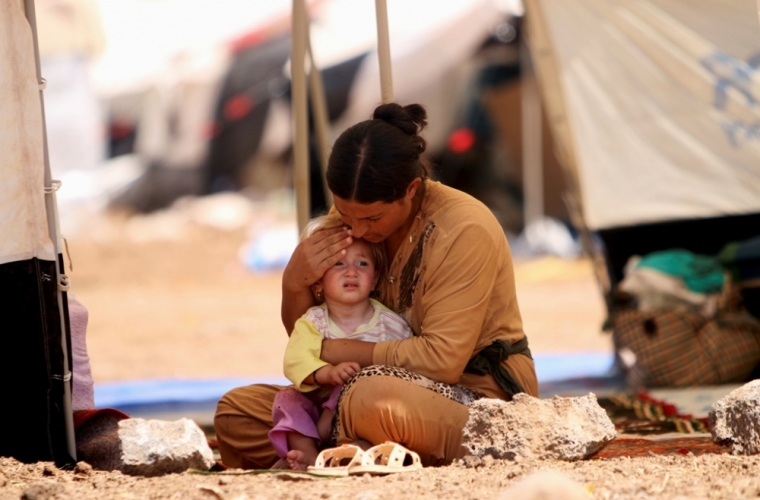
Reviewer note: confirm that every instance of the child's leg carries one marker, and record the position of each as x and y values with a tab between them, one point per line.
303	451
292	413
324	424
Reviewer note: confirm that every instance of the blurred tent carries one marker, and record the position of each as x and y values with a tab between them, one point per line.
37	418
217	118
653	108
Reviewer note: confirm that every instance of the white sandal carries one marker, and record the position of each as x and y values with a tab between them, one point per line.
335	462
387	458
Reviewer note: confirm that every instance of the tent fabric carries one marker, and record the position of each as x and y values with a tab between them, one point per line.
21	141
657	103
34	412
35	331
422	53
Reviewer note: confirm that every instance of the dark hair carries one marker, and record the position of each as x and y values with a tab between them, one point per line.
375	160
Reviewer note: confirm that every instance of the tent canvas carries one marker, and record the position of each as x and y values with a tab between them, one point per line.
654	109
36	417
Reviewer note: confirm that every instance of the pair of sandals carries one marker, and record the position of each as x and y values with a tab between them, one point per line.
349	459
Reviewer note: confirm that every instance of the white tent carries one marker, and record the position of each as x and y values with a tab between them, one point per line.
36	416
654	106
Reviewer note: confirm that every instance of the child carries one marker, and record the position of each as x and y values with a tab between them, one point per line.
347	312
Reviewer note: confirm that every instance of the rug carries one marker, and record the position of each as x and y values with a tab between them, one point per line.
632	447
648	426
695	401
640	413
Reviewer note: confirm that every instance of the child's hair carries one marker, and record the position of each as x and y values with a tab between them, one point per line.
333	219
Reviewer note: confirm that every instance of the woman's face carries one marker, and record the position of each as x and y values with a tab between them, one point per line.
376	221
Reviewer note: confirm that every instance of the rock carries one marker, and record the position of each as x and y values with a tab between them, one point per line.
545	485
157	447
83	468
43	491
735	419
528	427
472	462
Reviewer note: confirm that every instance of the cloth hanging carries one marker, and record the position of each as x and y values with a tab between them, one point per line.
490	360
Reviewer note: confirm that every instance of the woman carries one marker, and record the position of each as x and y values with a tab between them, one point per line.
450	276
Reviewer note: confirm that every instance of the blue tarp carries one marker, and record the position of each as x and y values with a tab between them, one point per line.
142	395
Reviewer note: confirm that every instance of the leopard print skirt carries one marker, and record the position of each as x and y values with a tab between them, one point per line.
456	393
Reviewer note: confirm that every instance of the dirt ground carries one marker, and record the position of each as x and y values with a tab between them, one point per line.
169	298
681	477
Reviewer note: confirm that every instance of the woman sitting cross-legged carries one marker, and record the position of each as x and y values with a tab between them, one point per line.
449	275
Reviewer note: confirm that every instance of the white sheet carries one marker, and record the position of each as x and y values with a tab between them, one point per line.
23	220
663	107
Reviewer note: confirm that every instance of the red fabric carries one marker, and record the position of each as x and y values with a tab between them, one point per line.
669	409
461	140
640	413
82	416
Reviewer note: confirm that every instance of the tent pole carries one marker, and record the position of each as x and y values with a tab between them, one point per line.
543	61
300	113
321	121
51	206
384	51
532	158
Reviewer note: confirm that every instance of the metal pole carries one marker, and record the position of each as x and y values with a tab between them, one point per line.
532	146
51	207
300	113
321	120
384	51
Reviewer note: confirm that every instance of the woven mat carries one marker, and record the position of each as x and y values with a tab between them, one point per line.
632	447
639	413
647	426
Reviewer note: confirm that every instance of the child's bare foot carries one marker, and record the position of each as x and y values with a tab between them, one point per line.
297	460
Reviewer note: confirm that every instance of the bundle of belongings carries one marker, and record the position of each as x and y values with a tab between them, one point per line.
680	319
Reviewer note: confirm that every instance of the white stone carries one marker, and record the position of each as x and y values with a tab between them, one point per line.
735	419
528	427
158	447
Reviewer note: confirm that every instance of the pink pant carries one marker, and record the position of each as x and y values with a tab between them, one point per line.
296	411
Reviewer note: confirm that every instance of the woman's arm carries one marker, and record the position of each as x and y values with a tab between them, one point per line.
301	363
311	258
342	350
463	272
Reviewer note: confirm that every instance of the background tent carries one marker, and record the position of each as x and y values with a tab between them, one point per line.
36	417
654	110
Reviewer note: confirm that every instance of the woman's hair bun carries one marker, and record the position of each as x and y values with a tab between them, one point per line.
411	119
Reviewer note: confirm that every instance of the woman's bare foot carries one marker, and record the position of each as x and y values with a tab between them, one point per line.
297	460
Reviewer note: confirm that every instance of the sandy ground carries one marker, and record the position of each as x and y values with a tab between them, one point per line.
176	302
693	477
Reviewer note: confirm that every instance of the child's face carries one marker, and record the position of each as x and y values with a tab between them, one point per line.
352	278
